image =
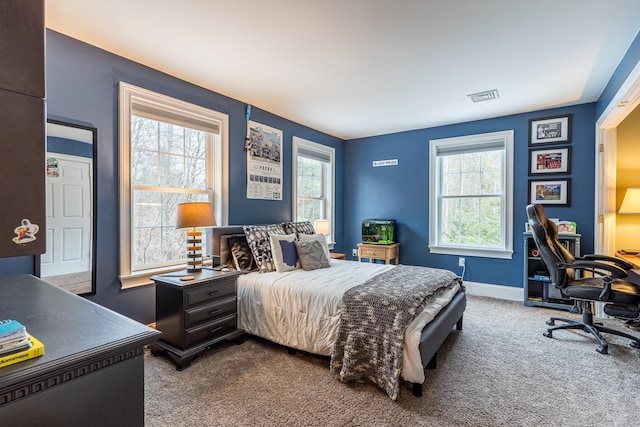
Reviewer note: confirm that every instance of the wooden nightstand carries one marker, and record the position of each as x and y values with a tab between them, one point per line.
192	315
385	252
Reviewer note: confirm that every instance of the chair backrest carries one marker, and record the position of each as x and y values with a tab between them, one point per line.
545	234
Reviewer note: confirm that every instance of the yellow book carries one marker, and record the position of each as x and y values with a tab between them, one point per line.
36	350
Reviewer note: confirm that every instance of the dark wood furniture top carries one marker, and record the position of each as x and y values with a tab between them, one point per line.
92	372
195	314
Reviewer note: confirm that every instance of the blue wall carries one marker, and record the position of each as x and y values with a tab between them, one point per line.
402	192
82	84
82	87
69	146
630	60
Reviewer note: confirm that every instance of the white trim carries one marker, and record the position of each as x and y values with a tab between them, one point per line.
297	143
483	253
509	293
626	99
623	103
220	157
506	252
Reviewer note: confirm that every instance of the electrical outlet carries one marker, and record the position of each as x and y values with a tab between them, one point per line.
354	252
461	262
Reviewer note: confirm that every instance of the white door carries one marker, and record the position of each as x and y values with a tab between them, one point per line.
68	206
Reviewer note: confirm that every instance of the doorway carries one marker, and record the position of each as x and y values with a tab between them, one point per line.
621	106
68	206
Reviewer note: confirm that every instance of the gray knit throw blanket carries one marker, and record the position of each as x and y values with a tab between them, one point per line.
375	316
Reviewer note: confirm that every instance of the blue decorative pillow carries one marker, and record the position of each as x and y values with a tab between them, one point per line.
285	255
289	253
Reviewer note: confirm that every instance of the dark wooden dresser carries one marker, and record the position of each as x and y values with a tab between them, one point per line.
92	372
192	315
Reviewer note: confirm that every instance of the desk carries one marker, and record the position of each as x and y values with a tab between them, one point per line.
633	259
92	371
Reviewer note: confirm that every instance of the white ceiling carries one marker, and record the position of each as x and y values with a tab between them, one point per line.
354	68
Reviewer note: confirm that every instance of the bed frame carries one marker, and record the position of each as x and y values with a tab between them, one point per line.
434	333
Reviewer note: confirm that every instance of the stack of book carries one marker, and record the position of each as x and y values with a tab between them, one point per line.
16	345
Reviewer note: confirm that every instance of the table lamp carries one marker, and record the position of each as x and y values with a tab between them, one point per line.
195	215
322	227
630	205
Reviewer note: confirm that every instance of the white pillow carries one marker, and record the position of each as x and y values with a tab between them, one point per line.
319	237
285	256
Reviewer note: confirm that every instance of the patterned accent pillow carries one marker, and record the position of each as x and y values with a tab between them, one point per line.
311	255
285	255
258	240
226	257
320	238
242	256
301	227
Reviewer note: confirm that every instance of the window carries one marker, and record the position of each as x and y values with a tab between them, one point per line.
170	152
471	195
313	182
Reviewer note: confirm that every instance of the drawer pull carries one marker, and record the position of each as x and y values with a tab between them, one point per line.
213	331
214	311
213	293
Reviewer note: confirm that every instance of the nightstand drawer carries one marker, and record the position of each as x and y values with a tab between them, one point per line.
208	312
211	331
210	293
377	253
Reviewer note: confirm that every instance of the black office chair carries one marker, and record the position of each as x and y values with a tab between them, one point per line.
585	280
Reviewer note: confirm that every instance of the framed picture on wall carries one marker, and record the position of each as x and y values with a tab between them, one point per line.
551	192
552	160
550	130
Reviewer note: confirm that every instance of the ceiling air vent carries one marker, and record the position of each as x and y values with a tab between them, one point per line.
487	95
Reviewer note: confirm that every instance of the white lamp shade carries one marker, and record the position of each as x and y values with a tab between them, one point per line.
631	202
195	214
322	227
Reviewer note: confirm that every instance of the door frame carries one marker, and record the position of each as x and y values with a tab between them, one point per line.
622	104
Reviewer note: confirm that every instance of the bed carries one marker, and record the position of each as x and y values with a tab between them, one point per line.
302	309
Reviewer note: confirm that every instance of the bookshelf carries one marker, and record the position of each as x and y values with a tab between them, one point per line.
538	292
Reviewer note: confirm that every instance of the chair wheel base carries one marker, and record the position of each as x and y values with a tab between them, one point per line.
548	334
550	322
635	344
602	349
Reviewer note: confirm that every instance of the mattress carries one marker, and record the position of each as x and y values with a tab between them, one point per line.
301	309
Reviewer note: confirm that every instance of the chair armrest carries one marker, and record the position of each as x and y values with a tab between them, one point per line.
580	264
617	261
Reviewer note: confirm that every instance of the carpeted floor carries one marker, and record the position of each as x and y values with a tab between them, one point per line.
498	371
78	283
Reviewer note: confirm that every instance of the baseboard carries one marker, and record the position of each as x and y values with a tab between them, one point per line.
494	291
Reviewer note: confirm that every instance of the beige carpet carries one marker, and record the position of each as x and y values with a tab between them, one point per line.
78	283
498	371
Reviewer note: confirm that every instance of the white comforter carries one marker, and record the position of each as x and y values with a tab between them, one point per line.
301	309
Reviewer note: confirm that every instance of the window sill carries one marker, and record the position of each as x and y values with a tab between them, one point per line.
143	278
484	253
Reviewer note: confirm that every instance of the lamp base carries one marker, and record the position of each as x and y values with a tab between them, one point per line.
194	251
